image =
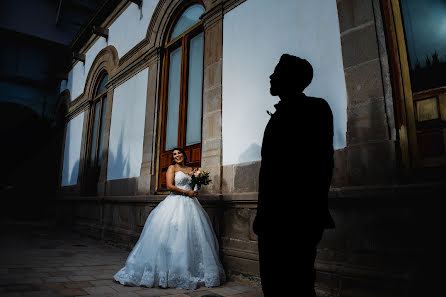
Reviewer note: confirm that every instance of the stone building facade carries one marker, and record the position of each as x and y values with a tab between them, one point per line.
385	194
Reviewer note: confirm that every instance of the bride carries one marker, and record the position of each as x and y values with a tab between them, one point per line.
177	247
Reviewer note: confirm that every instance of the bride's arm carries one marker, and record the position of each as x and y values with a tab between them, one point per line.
170	181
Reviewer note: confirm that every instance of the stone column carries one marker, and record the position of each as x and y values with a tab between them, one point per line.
147	177
370	154
211	159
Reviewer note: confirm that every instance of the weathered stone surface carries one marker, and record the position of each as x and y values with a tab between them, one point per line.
340	168
212	125
353	13
144	181
359	46
227	185
211	161
371	163
237	222
236	265
212	99
246	177
122	187
363	83
367	122
212	76
213	47
211	147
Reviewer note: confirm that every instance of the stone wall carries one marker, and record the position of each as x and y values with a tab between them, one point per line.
384	230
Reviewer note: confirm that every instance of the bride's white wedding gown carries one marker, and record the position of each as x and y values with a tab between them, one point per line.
177	247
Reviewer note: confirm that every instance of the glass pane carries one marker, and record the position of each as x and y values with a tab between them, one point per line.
101	87
190	17
101	133
95	130
193	131
173	100
425	30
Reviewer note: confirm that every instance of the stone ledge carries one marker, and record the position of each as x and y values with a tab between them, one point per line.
241	197
390	191
133	199
399	191
355	271
240	253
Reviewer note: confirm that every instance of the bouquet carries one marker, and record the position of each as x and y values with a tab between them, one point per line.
199	178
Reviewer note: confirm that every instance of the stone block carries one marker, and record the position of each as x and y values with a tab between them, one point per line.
144	213
364	83
237	223
357	135
212	76
227	185
239	265
211	147
353	13
124	213
340	169
246	177
371	163
212	99
359	46
211	126
213	47
144	182
122	187
212	161
367	122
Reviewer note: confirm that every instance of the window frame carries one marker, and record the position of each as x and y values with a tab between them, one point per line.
102	97
405	99
181	41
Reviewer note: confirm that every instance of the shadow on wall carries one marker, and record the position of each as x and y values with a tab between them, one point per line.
118	163
252	153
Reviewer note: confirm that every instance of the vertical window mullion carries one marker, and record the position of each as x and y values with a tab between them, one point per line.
183	99
100	129
97	132
164	96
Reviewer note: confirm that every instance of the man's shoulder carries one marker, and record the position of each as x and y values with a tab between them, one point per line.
317	100
319	103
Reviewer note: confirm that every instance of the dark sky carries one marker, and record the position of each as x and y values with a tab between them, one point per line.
425	28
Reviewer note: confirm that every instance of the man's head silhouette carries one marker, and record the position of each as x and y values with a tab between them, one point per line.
291	75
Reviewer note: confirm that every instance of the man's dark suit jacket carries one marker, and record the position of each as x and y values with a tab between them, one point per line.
296	167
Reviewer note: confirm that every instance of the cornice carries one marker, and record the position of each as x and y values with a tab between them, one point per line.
75	109
143	43
134	66
213	16
229	5
90	41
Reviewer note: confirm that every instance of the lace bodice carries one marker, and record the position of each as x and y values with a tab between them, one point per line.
182	180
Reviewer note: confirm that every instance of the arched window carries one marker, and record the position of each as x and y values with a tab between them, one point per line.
182	91
95	136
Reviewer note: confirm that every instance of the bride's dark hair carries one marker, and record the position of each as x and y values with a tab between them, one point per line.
184	155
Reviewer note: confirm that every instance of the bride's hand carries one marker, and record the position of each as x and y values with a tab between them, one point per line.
192	194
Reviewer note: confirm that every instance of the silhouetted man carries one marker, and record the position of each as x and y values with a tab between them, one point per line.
295	176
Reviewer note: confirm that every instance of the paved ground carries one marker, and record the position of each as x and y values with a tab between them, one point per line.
40	260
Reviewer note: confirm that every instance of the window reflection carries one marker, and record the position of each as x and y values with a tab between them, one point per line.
425	31
190	17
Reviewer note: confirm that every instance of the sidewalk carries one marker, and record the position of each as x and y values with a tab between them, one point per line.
39	260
